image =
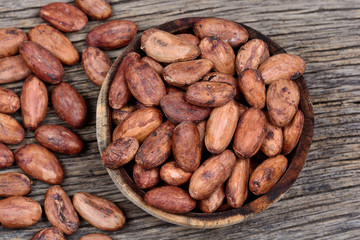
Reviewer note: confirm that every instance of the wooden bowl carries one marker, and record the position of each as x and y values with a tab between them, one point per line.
205	220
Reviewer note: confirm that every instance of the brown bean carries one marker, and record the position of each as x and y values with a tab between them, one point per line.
273	141
39	163
221	126
14	184
140	124
178	110
153	64
283	66
95	9
173	90
165	47
251	55
211	174
6	156
267	174
19	212
64	16
59	139
219	53
119	115
52	233
174	175
237	185
145	178
42	63
98	211
9	101
95	236
69	105
13	69
186	146
292	132
282	100
59	210
228	31
10	40
34	102
182	74
250	133
96	64
253	88
222	77
156	149
202	130
112	34
144	83
120	152
11	132
119	93
189	37
170	199
55	42
210	204
209	94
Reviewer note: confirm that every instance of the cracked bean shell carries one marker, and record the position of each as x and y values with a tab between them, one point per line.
60	211
51	233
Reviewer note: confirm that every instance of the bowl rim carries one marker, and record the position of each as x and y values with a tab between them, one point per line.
217	219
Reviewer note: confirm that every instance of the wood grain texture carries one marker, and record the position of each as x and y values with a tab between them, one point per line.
323	203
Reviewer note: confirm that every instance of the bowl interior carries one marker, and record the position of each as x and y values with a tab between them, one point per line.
205	220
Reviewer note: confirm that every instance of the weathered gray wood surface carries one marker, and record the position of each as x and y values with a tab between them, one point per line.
324	203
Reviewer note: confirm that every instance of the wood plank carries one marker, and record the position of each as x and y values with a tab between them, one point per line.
324	202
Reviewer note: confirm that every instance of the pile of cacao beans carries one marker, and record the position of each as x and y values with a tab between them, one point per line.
42	51
208	117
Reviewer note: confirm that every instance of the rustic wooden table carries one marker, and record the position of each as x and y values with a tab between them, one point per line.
324	203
